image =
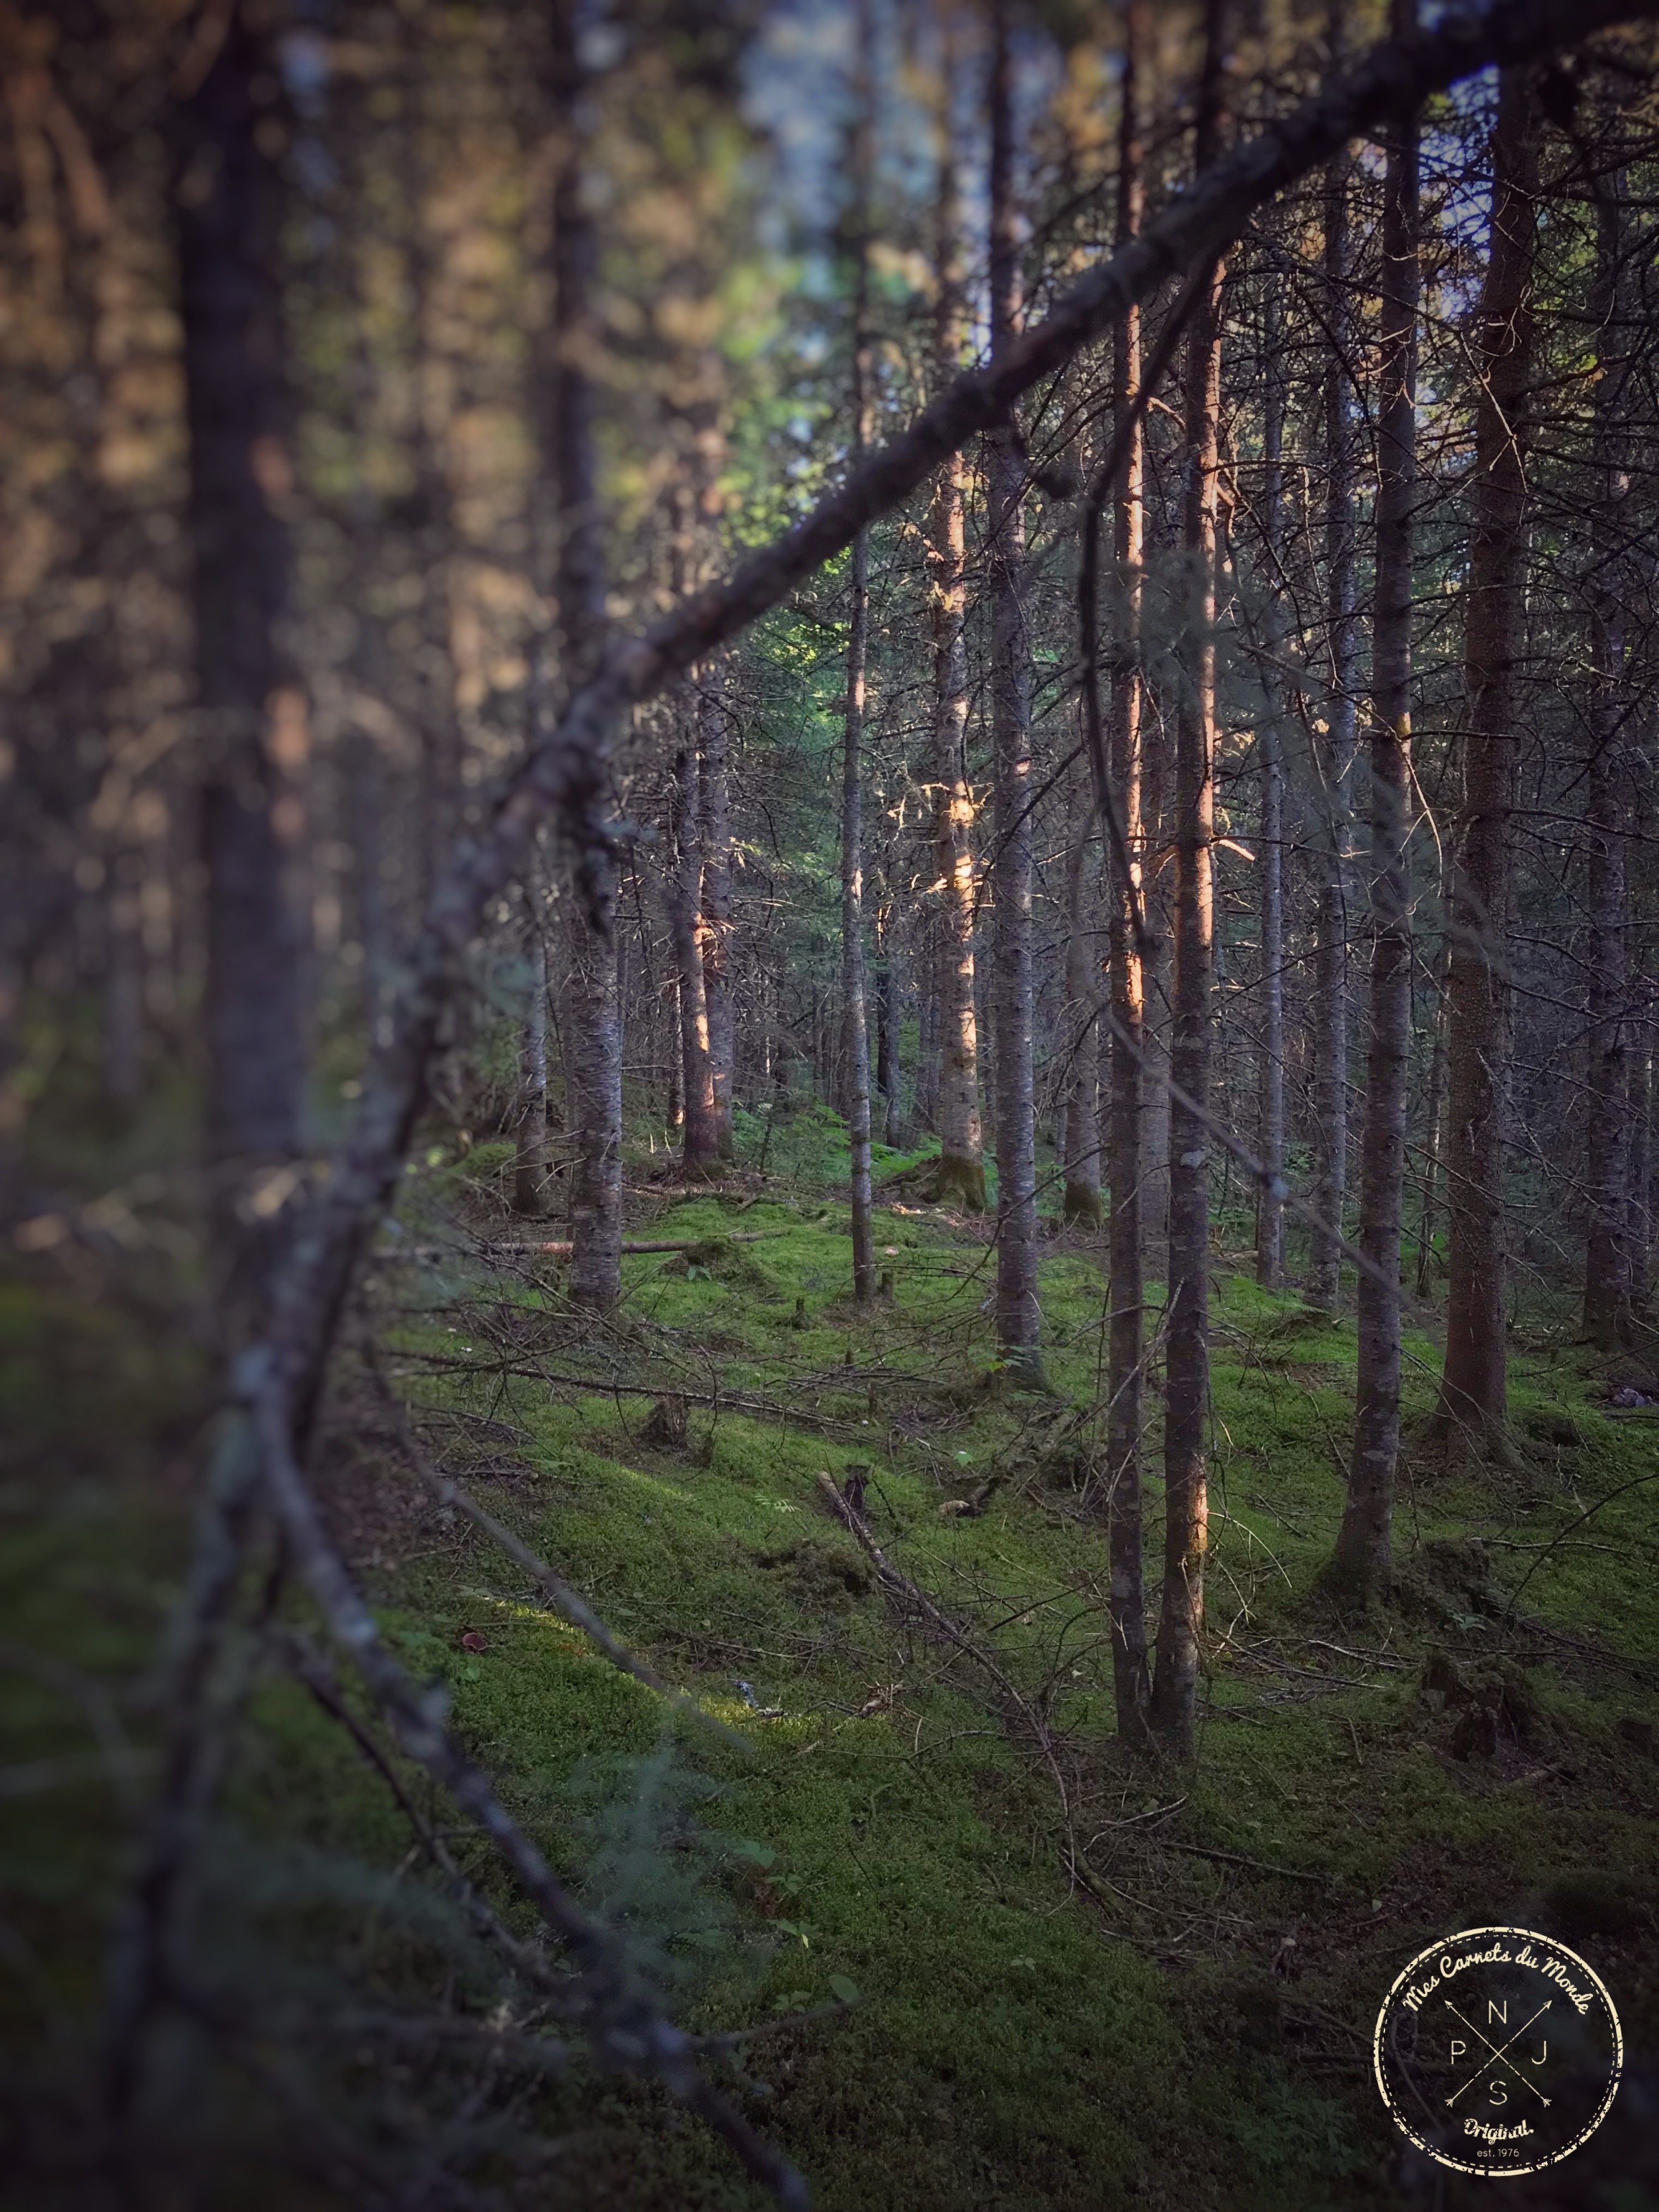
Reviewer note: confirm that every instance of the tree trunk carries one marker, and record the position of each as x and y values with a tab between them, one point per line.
713	724
700	1132
594	1047
1270	1211
253	714
1019	1321
1473	1386
1126	1391
1363	1559
1640	1224
961	1158
1329	1186
1080	1037
1606	1314
1187	1368
530	1177
1433	1116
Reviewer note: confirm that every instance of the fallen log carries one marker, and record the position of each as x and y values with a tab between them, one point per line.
562	1248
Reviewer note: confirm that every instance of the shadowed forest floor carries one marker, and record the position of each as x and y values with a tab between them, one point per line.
1054	1975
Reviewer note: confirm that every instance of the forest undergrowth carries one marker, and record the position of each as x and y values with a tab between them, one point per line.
1034	1970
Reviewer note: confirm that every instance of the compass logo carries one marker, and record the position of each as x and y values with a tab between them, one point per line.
1498	2050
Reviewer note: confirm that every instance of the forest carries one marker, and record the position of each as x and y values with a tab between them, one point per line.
829	987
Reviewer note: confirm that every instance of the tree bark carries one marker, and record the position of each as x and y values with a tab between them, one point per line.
1270	1211
1125	1355
960	1180
714	777
1363	1562
593	1048
530	1175
229	199
1473	1386
1329	1189
1080	1102
682	890
1018	1315
1186	1361
1607	1313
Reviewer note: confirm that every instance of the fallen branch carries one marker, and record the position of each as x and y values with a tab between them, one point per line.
917	1599
621	2027
561	1247
568	1603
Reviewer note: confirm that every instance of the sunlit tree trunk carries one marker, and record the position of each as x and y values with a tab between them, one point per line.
253	717
1363	1553
1017	1313
1126	1356
962	1161
1187	1358
1478	1019
1329	1184
1270	1211
682	892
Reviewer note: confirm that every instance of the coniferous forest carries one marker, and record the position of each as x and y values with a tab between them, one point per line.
828	985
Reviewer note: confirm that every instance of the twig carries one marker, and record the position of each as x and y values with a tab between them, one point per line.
568	1603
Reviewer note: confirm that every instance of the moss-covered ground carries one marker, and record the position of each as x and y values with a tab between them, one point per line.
1058	1975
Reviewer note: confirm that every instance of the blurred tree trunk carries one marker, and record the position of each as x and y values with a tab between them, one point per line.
530	1175
253	718
1472	1389
1186	1366
961	1179
593	1050
1019	1321
1364	1560
1126	1386
1330	1185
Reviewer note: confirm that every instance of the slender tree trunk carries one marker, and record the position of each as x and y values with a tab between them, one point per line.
713	723
961	1158
1328	1192
889	999
1126	1354
1186	1365
1472	1389
253	712
1081	1038
530	1178
1640	1228
699	1133
1270	1211
854	1001
855	1013
1156	964
1433	1116
1606	1260
1363	1559
594	1047
1019	1321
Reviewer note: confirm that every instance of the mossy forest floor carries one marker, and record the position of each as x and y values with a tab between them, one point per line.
1055	1978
